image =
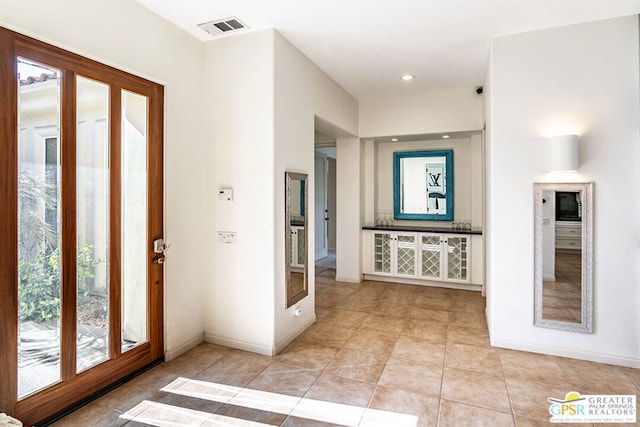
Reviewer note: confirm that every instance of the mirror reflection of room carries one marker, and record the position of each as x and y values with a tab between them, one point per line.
422	176
295	236
562	290
297	246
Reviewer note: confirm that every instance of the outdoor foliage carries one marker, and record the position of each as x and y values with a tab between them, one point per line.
39	290
39	261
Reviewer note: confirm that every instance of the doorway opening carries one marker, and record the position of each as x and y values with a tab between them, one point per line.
325	202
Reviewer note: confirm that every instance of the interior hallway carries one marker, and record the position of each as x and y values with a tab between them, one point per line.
396	348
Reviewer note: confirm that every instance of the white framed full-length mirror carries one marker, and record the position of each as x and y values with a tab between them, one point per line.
563	252
296	242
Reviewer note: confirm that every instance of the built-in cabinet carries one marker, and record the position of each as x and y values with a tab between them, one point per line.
415	249
568	235
394	253
418	257
297	255
444	257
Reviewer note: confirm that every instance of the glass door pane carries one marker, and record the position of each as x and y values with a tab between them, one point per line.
92	222
134	219
39	193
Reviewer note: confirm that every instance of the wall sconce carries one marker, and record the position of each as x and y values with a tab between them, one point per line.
564	153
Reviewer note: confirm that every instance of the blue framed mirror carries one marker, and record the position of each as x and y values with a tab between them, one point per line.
423	185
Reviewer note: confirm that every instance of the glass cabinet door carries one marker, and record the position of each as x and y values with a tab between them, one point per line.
430	259
406	254
300	247
382	252
297	250
394	253
457	258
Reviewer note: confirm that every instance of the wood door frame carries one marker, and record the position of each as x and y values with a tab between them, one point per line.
75	387
8	225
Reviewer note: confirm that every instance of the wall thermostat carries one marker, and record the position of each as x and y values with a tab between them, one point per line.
225	194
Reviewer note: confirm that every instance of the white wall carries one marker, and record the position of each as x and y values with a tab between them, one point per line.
144	44
421	114
302	92
267	95
462	173
239	278
349	200
294	152
578	79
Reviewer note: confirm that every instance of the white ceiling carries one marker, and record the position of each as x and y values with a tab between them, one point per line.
366	45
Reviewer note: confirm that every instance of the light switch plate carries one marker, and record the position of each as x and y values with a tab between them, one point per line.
227	237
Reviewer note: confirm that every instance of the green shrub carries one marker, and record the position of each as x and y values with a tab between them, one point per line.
39	290
39	261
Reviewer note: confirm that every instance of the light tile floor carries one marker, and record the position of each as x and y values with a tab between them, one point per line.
562	299
389	348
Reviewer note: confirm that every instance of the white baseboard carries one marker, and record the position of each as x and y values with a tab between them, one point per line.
421	282
564	352
239	344
294	334
183	348
348	279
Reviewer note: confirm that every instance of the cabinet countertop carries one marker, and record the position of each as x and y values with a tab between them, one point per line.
422	229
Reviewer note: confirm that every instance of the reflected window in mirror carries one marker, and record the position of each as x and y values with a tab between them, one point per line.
296	271
423	185
563	256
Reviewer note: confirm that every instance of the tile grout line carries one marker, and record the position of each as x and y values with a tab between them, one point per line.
377	382
464	305
506	384
404	325
444	363
323	369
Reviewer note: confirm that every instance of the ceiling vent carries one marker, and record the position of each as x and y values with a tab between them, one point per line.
223	26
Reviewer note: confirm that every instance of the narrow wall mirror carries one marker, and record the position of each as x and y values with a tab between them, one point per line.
563	225
423	185
296	271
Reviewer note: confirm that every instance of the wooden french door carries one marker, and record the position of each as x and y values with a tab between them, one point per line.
81	196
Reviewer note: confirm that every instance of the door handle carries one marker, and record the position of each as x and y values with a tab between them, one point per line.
158	259
159	246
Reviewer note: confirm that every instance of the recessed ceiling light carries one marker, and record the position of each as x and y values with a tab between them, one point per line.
407	77
445	136
394	139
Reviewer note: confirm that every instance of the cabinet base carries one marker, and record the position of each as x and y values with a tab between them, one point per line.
432	283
